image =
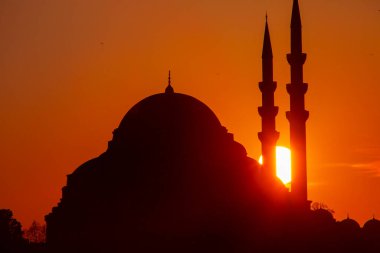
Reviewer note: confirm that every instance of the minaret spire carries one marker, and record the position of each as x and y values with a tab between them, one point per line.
297	115
267	45
169	88
268	136
296	15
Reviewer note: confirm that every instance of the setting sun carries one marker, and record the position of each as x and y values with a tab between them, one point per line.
283	164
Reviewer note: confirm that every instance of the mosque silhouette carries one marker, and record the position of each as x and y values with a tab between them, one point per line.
174	180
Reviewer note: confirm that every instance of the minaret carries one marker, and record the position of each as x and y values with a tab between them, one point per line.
268	136
297	115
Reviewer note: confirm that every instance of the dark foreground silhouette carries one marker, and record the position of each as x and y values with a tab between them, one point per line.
13	238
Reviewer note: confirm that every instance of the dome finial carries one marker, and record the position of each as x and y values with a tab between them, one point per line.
169	88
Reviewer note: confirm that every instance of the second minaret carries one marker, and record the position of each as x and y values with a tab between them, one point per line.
297	115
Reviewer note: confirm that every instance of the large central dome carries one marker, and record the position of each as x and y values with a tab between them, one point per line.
161	109
167	115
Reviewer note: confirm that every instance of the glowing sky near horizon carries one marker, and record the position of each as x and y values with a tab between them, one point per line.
71	69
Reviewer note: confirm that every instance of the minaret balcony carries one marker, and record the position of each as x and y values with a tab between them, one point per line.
269	137
268	87
294	59
268	111
300	116
297	88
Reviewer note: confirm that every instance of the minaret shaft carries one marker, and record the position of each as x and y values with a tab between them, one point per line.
297	115
268	136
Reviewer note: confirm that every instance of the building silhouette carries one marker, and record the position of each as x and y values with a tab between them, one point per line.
174	177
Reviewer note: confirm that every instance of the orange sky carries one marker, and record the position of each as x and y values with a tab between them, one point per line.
71	69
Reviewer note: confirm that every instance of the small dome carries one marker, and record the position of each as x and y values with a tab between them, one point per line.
323	216
372	227
349	225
